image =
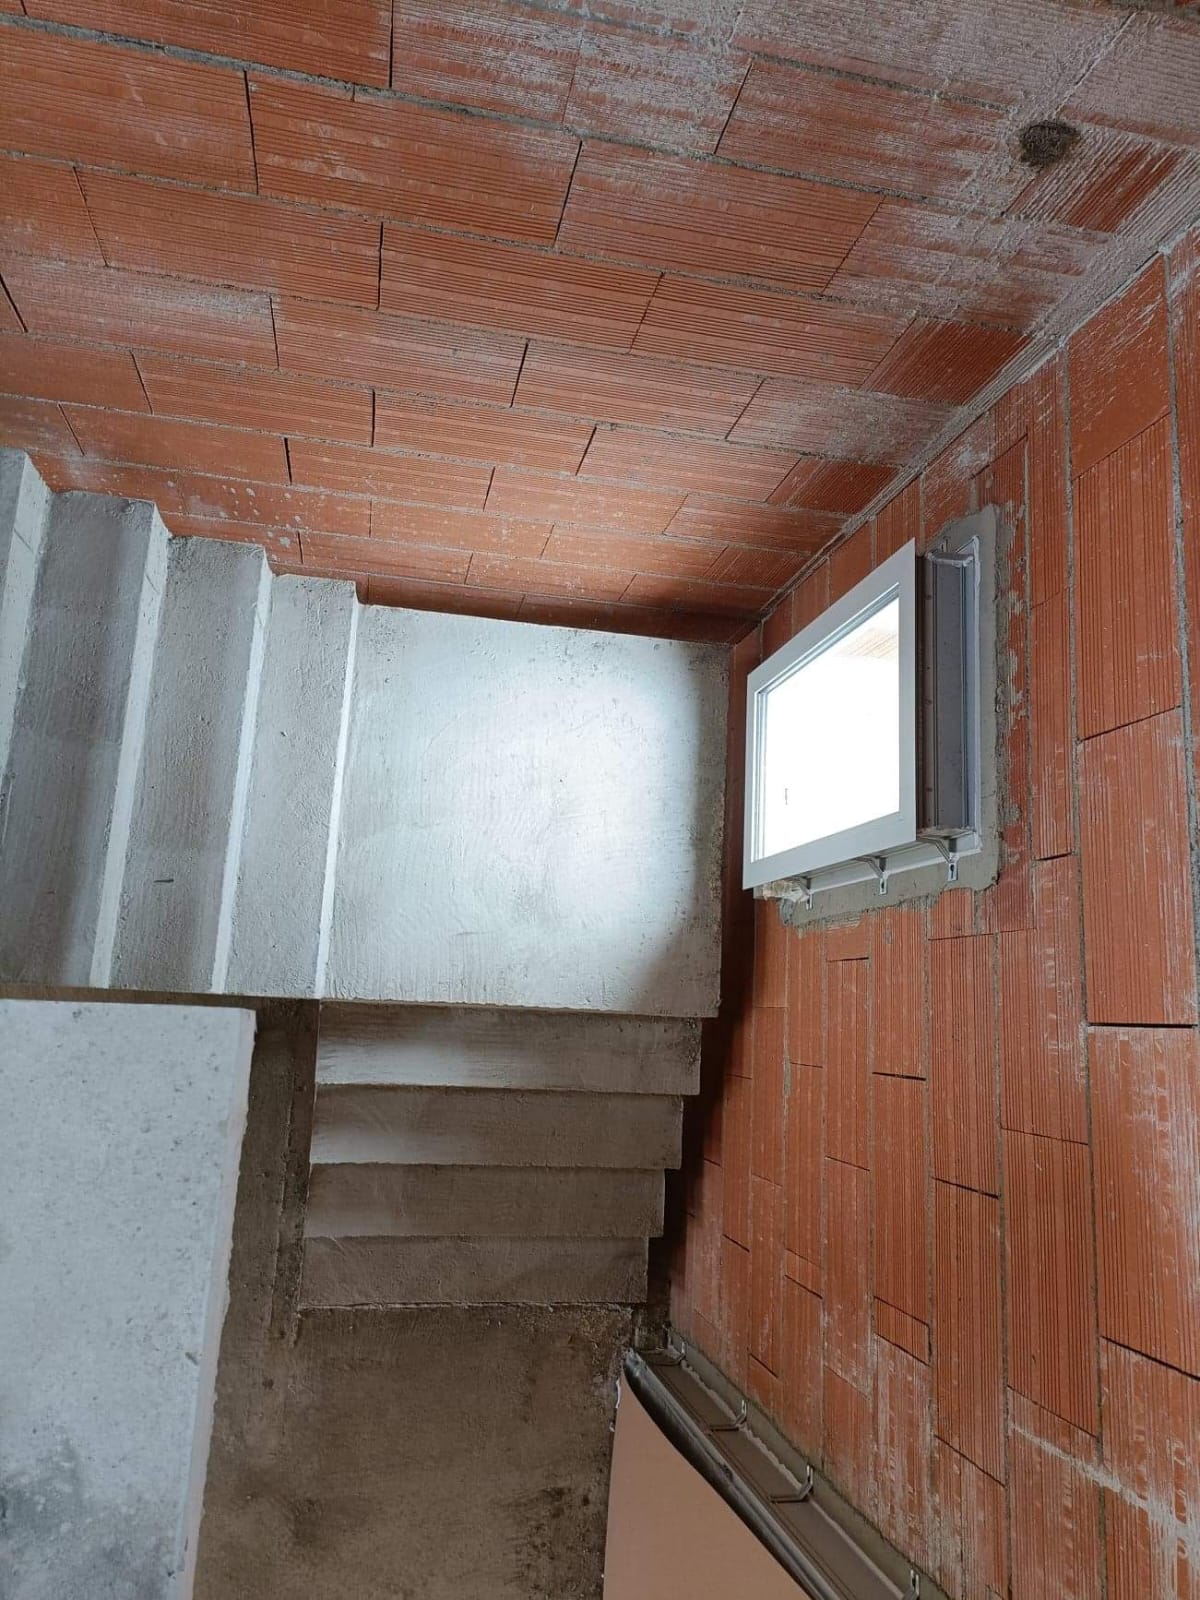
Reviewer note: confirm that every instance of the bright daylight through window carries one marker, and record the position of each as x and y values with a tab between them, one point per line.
845	698
863	749
832	771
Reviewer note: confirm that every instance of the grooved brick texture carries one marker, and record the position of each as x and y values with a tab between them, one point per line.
847	1069
42	212
281	33
1011	1260
902	1464
1139	947
444	428
785	236
1043	1085
969	1545
1051	1279
1002	1335
1128	628
847	1273
962	1072
241	240
967	1326
83	100
642	206
392	159
1146	1088
1055	1525
899	1164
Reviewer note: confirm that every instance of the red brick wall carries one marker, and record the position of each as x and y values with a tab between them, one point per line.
943	1214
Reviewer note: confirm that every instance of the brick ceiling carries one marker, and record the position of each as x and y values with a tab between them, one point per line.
607	314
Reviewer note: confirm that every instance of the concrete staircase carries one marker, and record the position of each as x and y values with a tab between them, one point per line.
218	780
490	1156
152	818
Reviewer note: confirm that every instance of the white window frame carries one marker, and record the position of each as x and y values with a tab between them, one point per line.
895	578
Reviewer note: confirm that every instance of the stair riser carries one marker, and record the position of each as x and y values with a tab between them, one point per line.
482	1202
434	1046
473	1272
464	1127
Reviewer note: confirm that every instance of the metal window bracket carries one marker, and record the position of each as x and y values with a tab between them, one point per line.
914	1586
805	887
802	1494
674	1355
879	866
736	1426
948	849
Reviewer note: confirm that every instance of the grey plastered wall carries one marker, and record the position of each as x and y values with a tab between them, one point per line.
531	817
123	1128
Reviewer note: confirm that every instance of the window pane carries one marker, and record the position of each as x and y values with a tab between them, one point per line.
831	737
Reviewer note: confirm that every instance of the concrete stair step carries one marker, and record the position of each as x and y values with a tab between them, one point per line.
294	790
88	601
483	1048
174	928
494	1127
354	1272
482	1202
24	514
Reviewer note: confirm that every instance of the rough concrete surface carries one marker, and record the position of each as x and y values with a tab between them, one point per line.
475	1047
434	1454
449	809
189	807
87	658
532	817
122	1131
294	781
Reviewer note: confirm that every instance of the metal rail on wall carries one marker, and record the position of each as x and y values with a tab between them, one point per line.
799	1519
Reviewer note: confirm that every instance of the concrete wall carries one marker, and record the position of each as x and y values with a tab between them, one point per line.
123	1126
433	1453
531	817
